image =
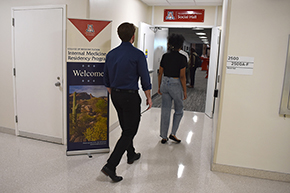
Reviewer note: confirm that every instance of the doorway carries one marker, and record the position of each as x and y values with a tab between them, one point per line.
200	39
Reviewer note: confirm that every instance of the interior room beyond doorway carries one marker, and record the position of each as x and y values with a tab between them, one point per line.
198	38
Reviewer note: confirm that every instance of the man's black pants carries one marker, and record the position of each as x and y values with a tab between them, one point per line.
128	107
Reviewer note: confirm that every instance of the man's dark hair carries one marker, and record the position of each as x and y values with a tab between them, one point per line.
126	31
175	42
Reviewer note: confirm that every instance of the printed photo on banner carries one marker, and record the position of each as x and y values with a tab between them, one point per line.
88	105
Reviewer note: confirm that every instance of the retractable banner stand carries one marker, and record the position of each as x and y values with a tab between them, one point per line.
88	42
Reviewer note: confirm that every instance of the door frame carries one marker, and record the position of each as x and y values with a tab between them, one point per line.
190	26
213	71
64	77
144	34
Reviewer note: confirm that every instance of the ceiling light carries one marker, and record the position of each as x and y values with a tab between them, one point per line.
197	28
200	34
202	37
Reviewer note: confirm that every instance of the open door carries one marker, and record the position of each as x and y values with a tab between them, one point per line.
146	44
212	77
160	47
38	61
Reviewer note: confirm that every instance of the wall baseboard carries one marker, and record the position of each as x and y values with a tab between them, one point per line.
269	175
7	130
40	137
113	126
12	131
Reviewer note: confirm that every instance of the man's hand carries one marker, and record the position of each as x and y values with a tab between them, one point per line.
109	90
149	102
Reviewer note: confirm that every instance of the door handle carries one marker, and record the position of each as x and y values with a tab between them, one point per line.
57	84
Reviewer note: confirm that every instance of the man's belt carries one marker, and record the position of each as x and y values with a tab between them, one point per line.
124	90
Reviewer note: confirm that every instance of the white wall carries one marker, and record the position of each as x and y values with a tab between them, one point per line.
133	11
251	133
75	9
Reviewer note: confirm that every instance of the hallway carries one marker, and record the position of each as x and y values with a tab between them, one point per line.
31	166
196	97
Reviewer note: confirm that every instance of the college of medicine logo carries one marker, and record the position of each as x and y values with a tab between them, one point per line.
170	15
90	30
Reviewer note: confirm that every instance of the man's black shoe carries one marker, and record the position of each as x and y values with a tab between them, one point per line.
136	157
111	174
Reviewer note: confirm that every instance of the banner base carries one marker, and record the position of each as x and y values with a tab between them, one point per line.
87	152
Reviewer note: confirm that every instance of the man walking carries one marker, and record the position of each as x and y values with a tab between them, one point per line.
124	66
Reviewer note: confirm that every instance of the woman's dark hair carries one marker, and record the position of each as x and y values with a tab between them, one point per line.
126	31
175	42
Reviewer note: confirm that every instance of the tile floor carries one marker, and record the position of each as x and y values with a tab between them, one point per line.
31	166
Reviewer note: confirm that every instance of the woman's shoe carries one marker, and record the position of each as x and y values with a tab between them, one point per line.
163	141
173	137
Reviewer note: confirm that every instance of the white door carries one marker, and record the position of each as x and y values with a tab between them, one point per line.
160	47
211	83
146	44
38	51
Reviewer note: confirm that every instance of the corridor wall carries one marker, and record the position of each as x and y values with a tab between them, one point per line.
252	138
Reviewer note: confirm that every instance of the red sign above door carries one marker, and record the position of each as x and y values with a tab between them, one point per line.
183	15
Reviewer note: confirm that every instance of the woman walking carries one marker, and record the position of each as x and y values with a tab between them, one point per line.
172	86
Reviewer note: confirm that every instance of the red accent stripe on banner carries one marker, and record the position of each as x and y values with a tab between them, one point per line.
89	28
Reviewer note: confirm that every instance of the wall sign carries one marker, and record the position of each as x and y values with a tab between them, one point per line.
240	65
183	15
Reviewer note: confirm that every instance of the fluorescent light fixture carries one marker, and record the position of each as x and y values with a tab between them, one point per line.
200	34
202	37
197	28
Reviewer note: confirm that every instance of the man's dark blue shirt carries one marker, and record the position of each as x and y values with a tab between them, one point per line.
124	65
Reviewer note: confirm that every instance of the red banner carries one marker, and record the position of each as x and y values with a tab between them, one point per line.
89	28
183	15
